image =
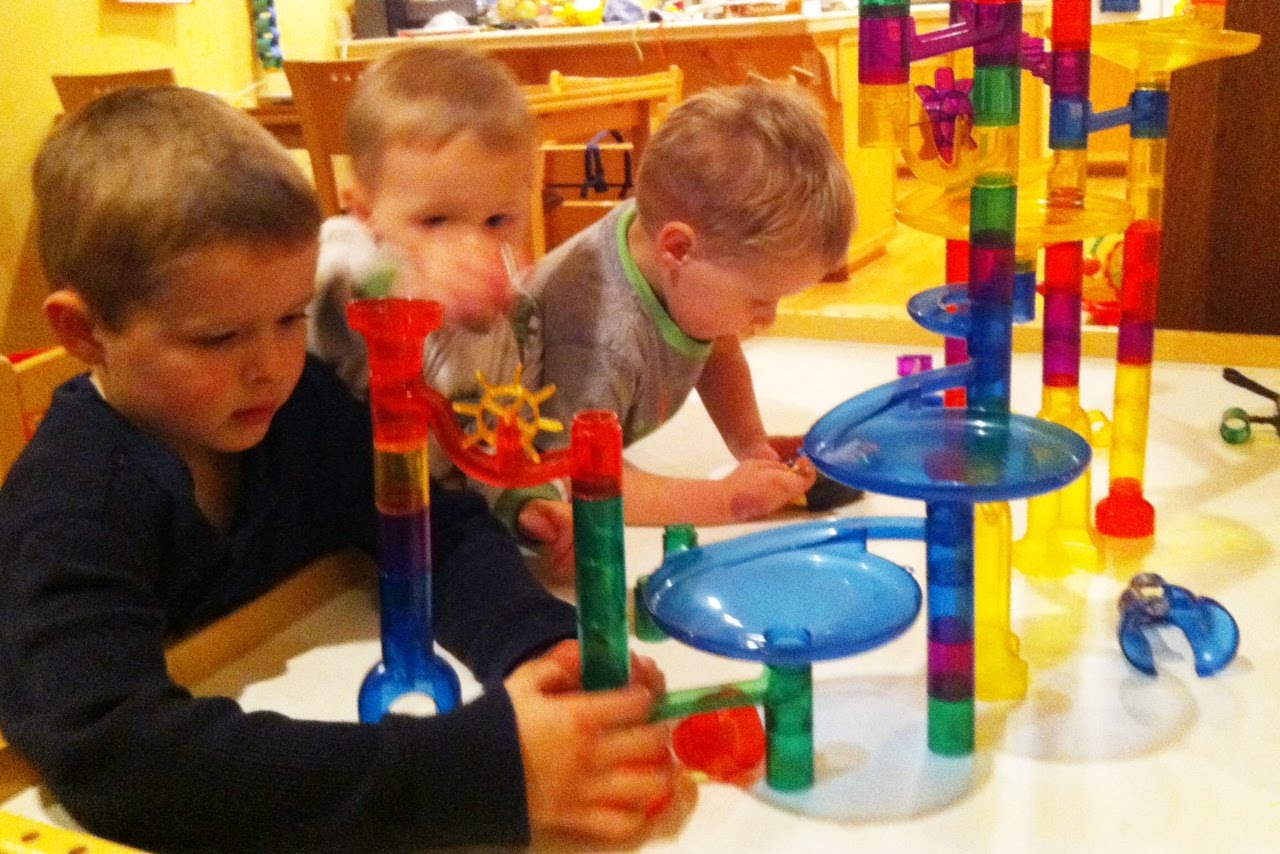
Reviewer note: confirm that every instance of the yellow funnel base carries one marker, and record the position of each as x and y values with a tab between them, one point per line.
1058	552
1163	45
934	210
999	673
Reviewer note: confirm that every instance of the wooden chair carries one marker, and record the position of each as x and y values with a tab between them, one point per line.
321	91
26	388
571	110
76	90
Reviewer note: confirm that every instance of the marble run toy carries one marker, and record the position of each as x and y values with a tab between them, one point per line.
1149	601
1153	49
1235	427
500	452
1061	535
785	598
993	232
394	331
806	593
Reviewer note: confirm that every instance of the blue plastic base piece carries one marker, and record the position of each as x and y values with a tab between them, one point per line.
944	310
381	689
1121	6
789	597
1149	600
887	440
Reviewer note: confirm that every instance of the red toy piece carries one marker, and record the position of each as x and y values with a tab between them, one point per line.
725	744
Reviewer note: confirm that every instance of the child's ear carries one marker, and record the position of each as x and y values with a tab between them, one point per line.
675	242
74	324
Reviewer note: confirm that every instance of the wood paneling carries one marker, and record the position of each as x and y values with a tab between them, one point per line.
1220	262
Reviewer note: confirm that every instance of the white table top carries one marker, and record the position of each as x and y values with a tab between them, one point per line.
1097	757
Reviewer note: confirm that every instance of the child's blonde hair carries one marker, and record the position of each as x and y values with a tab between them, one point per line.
427	96
139	178
750	168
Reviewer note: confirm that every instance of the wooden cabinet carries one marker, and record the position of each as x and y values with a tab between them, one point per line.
1220	254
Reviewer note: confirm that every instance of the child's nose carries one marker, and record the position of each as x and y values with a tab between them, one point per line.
270	359
501	290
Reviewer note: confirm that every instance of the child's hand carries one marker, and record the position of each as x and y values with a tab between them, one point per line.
550	523
593	764
644	670
463	272
761	450
760	487
785	448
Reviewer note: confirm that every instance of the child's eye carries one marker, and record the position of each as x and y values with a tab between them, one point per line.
294	319
215	340
433	221
497	220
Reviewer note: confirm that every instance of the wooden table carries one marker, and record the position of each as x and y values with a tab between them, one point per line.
1097	757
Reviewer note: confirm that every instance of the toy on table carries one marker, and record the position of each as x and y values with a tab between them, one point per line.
1153	49
404	408
786	598
394	331
974	450
977	204
1235	428
1149	600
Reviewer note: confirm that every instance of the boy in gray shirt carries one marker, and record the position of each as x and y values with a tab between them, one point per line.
740	201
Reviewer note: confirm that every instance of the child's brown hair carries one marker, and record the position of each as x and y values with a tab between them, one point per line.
427	96
751	169
132	182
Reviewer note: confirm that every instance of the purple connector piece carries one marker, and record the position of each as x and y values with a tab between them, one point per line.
1034	58
1070	77
1135	344
1062	339
1003	48
944	102
914	363
883	56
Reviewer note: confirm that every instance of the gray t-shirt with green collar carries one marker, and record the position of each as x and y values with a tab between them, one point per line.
607	342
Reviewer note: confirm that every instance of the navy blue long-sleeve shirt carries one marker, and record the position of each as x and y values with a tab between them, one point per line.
104	556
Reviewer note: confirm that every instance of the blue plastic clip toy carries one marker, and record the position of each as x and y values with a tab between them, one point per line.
1149	600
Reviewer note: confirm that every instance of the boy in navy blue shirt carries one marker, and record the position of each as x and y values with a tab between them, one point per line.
204	458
